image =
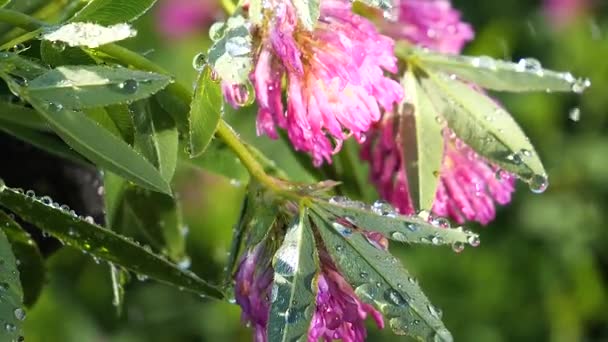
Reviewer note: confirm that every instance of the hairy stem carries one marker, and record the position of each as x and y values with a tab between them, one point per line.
126	56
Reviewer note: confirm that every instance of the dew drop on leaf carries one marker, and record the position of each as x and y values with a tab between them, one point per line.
19	314
435	312
443	335
55	107
129	86
473	240
2	185
458	246
395	297
538	184
575	114
199	61
58	45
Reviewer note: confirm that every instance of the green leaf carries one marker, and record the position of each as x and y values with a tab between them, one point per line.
294	287
108	12
158	217
22	116
231	55
4	3
379	278
156	137
44	141
58	54
101	117
11	305
113	190
100	146
31	265
486	72
24	68
484	125
120	277
421	143
123	120
94	86
102	243
350	217
173	105
205	112
308	12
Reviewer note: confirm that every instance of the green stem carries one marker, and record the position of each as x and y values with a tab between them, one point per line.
228	6
224	131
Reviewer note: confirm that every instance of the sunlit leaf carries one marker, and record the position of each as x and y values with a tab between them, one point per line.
12	313
94	86
87	34
524	76
102	243
156	137
379	278
205	112
101	147
231	55
422	143
484	125
31	265
108	12
294	287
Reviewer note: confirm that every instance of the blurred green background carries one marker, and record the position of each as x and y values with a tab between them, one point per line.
541	273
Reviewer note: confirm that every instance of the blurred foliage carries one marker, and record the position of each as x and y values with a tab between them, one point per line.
540	274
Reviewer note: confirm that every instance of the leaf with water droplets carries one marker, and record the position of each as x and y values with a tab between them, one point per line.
411	229
156	136
103	243
379	279
31	265
486	72
231	55
308	12
421	142
87	34
78	87
11	293
205	112
483	124
294	286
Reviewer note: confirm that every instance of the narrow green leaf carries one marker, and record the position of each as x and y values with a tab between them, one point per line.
4	3
159	218
205	112
100	146
120	277
173	105
86	86
308	12
22	116
156	137
11	305
44	141
22	67
525	76
294	287
352	216
31	265
108	12
113	191
123	119
379	278
101	117
421	142
236	243
484	125
231	55
102	243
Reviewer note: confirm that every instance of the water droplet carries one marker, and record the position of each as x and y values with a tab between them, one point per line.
199	62
129	86
339	248
238	46
141	277
274	293
399	236
435	312
412	227
580	85
363	275
575	114
395	297
344	231
19	314
484	62
529	65
58	45
458	246
30	193
473	240
436	240
538	184
243	94
9	327
184	263
443	335
525	153
54	107
2	185
383	208
413	280
441	222
46	200
216	31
